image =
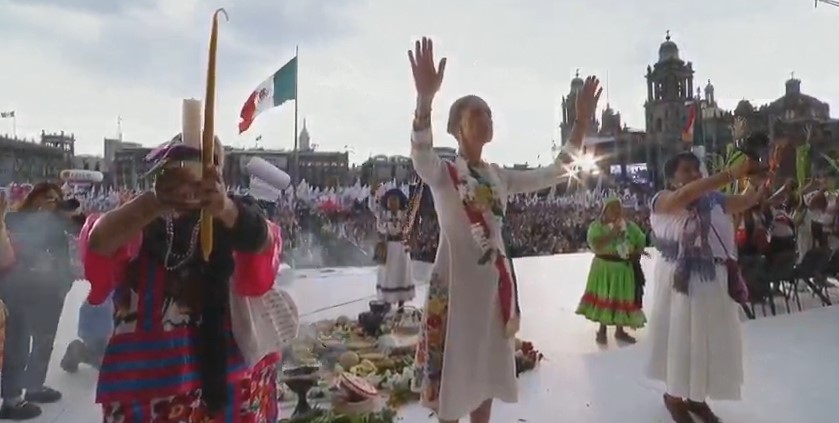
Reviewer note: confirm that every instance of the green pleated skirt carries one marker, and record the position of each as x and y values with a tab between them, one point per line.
609	297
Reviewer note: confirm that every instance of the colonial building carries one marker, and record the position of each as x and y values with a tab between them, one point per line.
797	118
383	168
129	167
317	168
324	168
89	162
794	116
669	93
25	161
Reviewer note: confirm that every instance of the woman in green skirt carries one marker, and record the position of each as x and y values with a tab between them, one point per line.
615	281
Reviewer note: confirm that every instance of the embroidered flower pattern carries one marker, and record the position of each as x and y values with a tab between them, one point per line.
428	366
482	196
258	404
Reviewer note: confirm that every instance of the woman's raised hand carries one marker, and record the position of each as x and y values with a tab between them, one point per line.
428	76
587	99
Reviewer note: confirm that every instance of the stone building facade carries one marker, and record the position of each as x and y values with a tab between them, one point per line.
29	161
671	94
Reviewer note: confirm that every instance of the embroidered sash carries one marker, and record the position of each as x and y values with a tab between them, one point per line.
507	284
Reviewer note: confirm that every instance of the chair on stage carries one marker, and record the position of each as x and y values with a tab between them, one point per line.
780	271
753	269
821	286
813	267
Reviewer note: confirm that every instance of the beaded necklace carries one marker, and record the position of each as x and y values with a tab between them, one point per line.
181	259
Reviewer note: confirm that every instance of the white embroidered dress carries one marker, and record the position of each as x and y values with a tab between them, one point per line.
696	339
476	362
394	281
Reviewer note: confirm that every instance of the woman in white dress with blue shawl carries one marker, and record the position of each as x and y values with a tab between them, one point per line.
697	347
465	354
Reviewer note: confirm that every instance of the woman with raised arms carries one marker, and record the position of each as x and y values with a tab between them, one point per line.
465	355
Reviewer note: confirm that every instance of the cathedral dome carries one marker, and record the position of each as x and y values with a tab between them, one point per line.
668	50
744	107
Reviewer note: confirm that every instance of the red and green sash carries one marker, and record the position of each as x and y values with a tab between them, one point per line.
507	284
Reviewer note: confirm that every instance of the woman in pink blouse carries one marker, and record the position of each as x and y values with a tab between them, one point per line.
172	356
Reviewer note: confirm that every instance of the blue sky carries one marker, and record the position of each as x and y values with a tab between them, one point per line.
77	65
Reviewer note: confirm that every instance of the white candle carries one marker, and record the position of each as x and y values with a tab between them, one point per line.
191	123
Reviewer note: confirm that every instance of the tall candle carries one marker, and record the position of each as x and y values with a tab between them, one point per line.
191	123
206	229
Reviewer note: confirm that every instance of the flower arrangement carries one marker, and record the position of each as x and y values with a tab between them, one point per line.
328	416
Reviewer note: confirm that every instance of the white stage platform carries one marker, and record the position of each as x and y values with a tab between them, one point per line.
791	361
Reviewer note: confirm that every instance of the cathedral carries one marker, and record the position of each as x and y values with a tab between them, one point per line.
673	101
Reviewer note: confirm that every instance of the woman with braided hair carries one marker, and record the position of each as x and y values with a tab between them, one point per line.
465	354
697	345
614	289
173	356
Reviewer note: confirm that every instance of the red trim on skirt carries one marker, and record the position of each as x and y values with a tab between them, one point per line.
252	400
592	300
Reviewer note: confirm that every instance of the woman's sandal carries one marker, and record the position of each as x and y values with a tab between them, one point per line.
678	409
600	338
625	337
703	412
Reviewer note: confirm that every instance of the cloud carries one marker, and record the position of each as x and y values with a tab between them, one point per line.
95	60
163	43
99	7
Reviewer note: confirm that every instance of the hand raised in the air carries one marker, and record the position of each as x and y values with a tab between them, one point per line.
587	99
428	76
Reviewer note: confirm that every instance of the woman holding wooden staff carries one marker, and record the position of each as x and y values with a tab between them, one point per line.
146	253
174	355
465	354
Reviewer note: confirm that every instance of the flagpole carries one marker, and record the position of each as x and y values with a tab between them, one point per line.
296	170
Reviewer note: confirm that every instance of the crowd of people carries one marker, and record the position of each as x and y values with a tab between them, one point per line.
536	225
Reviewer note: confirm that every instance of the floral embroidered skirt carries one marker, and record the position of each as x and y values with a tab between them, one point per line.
428	366
255	402
609	297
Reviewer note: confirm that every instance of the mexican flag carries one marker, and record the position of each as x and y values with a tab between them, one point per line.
276	90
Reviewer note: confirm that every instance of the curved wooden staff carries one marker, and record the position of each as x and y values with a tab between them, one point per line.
208	141
412	211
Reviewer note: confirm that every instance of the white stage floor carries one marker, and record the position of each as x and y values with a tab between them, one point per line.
792	374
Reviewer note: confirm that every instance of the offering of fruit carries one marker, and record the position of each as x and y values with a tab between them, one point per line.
363	369
349	359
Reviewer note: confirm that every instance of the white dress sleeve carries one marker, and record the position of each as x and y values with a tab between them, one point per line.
524	181
427	163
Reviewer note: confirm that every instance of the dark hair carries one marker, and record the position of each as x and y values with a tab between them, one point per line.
673	163
455	112
41	188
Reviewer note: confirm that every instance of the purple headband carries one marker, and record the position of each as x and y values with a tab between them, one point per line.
174	150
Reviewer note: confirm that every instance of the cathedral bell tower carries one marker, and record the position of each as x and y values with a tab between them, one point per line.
669	88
